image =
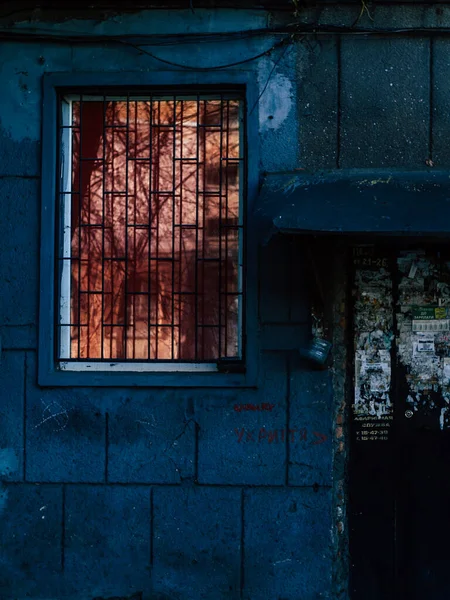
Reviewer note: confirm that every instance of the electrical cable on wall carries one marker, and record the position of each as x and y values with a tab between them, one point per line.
291	33
213	68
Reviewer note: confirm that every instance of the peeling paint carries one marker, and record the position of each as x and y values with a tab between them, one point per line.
374	181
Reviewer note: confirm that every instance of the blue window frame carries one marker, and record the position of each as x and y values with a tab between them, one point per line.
67	354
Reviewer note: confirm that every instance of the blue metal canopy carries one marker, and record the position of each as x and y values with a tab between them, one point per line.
355	202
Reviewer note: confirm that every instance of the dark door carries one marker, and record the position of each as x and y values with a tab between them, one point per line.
399	477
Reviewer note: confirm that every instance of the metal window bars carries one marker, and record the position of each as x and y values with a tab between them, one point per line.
151	228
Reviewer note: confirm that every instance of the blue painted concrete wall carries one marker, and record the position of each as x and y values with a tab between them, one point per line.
176	494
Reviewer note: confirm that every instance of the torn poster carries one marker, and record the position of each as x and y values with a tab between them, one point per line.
423	341
373	337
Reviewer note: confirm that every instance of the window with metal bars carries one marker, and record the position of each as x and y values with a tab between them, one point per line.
151	231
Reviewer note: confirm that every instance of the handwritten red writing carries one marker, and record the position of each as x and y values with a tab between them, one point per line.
271	436
262	406
321	438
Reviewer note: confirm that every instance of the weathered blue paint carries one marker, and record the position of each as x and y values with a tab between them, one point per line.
117	487
31	541
283	541
19	232
12	409
188	522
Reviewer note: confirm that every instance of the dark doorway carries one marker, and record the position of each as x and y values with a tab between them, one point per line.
399	474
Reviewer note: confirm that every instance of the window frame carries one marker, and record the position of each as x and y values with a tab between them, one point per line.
64	212
49	372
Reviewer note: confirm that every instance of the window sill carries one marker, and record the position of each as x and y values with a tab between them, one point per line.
146	378
137	367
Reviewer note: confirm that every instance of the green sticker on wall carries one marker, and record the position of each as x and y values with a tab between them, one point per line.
429	312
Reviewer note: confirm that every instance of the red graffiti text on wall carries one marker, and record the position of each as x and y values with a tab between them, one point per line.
255	407
271	436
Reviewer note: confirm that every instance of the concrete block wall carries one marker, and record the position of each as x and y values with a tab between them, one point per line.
186	494
169	493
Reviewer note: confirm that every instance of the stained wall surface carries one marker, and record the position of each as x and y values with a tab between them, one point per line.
186	493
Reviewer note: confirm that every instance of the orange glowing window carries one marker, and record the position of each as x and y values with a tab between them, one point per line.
151	231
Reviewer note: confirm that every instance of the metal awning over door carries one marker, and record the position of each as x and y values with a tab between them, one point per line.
355	202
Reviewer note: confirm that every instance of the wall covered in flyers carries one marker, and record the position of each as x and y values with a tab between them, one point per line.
401	320
373	338
423	343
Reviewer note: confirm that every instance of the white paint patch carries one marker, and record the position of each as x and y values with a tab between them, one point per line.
9	462
276	102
